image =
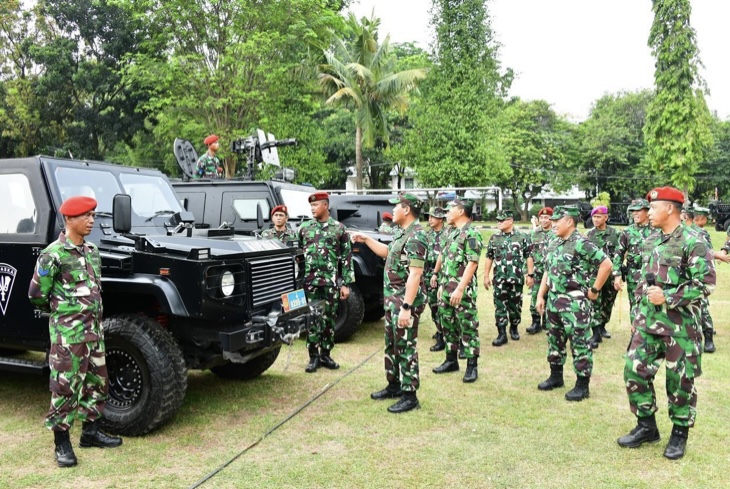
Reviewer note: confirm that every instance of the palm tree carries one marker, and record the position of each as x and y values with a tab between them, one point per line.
360	73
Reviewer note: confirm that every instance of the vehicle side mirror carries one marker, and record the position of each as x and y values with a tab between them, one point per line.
378	219
259	216
122	213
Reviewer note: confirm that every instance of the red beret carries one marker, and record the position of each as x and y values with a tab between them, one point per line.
601	209
319	196
280	208
387	215
76	206
665	193
546	211
210	139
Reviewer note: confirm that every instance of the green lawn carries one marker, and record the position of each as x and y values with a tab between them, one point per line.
500	432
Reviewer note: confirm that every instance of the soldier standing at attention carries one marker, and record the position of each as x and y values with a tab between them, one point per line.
328	274
386	227
405	300
538	249
209	165
606	238
708	327
630	242
575	271
458	264
508	250
435	236
280	231
67	284
678	272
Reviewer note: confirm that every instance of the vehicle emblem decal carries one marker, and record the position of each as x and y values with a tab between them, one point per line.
7	277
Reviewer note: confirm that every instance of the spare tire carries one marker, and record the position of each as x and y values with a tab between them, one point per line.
349	315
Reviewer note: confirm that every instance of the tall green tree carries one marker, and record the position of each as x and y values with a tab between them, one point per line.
454	135
360	73
677	127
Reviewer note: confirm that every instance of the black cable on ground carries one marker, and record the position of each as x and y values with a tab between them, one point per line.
282	422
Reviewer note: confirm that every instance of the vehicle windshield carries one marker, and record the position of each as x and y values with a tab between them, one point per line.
298	202
97	184
151	195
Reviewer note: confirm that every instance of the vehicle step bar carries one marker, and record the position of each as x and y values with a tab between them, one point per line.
23	366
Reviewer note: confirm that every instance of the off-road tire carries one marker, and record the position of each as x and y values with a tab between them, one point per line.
349	315
249	370
147	375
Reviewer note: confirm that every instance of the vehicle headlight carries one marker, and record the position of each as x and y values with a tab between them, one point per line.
228	283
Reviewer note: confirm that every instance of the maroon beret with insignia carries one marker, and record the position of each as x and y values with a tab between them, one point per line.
316	196
280	208
76	206
666	193
210	140
387	215
545	211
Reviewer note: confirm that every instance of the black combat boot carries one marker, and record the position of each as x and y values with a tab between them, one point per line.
677	443
501	338
580	391
555	379
605	333
325	360
65	456
644	432
513	333
392	391
440	344
596	338
451	364
407	402
535	327
92	436
313	364
709	344
471	373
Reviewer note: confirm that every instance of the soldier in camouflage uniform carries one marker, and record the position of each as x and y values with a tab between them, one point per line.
435	236
539	240
606	238
575	271
405	300
67	284
630	242
386	227
209	165
708	327
456	271
280	231
677	272
508	250
328	274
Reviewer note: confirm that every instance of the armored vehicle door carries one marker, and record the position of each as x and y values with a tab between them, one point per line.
27	225
239	208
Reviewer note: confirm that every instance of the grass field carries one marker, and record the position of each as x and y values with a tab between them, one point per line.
500	432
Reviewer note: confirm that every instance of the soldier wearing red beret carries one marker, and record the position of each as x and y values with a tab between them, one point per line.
209	165
280	231
386	226
539	239
67	284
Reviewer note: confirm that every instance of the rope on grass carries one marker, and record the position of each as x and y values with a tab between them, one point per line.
283	422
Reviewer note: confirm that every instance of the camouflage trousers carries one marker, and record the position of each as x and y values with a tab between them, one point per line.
321	332
705	318
507	304
569	319
401	355
533	294
79	384
433	303
461	326
603	306
683	365
633	301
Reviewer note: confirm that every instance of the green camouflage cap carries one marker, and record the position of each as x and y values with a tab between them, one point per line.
702	211
462	202
408	199
565	210
638	204
436	212
504	214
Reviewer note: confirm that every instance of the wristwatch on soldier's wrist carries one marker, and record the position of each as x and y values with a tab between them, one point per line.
406	306
594	290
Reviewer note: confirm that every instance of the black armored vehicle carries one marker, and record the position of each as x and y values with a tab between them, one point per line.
176	297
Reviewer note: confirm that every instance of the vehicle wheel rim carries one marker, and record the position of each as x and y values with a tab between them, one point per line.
125	379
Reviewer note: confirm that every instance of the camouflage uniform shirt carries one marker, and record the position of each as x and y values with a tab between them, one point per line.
67	284
408	249
571	263
461	247
509	252
684	268
209	167
434	240
386	228
327	253
630	242
607	240
287	236
539	240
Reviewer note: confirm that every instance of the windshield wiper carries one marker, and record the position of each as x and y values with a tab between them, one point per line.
103	214
159	213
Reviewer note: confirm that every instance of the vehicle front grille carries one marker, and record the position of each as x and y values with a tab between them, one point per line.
271	277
